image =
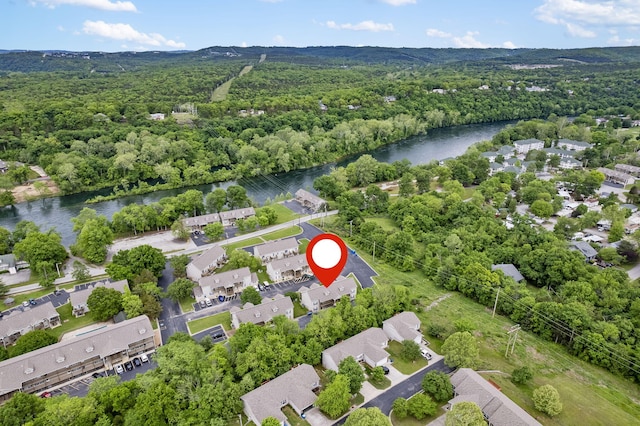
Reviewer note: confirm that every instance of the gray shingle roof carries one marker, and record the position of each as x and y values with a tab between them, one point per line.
265	311
497	407
226	279
238	213
341	287
528	142
368	342
585	248
202	220
290	263
102	342
276	246
80	297
293	387
308	196
208	257
22	320
509	270
406	324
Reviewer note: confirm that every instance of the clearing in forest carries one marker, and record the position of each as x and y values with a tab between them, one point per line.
220	93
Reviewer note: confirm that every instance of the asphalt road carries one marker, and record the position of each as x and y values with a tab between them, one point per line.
171	319
403	389
213	332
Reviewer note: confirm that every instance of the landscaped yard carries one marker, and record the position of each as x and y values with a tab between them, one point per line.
282	233
72	323
299	310
244	243
293	418
187	304
403	366
412	421
302	247
201	324
284	214
386	223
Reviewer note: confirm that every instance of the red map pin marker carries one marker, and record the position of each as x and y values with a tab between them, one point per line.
326	256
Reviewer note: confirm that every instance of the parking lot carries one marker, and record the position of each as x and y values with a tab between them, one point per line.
57	300
216	332
295	206
199	239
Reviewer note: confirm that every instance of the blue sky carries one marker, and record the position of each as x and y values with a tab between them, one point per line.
116	25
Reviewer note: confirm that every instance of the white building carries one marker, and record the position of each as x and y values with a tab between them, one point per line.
524	146
206	263
225	283
289	268
404	326
367	346
277	249
317	297
263	313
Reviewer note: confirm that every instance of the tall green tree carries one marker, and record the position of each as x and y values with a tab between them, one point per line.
367	417
410	350
421	405
215	200
334	400
180	289
438	385
460	350
21	409
94	239
547	399
350	368
465	414
251	295
31	341
104	303
179	264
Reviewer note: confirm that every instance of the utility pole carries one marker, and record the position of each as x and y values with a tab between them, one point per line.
495	305
513	337
350	228
374	251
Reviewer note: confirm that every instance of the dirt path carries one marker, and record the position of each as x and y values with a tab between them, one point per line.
220	93
28	192
438	300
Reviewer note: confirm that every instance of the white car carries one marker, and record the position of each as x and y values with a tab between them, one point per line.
119	369
425	354
144	358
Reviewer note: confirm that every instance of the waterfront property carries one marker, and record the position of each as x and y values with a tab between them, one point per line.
294	388
317	297
79	298
526	145
8	262
196	223
367	346
18	323
225	283
264	312
277	249
65	361
403	326
206	263
497	408
309	200
573	145
289	268
229	218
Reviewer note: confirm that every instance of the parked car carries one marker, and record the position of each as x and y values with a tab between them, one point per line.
203	304
260	287
32	302
144	358
45	395
208	302
385	369
119	369
137	362
218	335
128	365
97	375
25	303
425	353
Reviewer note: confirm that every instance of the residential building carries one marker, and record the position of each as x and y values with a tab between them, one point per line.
229	217
79	298
206	263
626	168
403	326
495	168
196	223
317	297
56	364
509	270
226	283
158	116
526	145
585	248
562	153
20	322
490	155
617	176
569	163
389	99
8	263
309	200
264	312
506	151
497	408
294	388
367	346
573	145
277	249
513	169
289	268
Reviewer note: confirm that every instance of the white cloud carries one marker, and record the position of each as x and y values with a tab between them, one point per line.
128	33
432	32
509	45
60	28
362	26
578	31
398	2
278	39
468	41
113	6
590	12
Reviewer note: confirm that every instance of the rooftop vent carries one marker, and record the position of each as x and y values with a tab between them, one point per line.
89	349
142	331
60	359
28	370
275	309
257	314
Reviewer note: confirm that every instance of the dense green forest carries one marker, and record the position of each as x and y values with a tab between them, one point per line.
85	117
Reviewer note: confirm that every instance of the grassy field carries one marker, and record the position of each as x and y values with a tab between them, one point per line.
293	418
69	322
284	214
587	392
198	325
299	310
386	223
302	248
282	233
187	304
244	243
405	367
412	421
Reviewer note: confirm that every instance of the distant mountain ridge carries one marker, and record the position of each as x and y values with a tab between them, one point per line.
86	61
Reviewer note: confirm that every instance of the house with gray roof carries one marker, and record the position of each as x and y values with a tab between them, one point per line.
277	249
206	263
289	268
569	163
497	408
226	283
562	153
573	145
79	298
626	168
317	297
526	145
196	223
309	200
585	248
229	217
509	270
490	155
70	359
294	388
264	312
506	151
617	176
403	326
21	321
367	346
495	168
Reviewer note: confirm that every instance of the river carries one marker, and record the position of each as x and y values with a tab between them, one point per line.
437	144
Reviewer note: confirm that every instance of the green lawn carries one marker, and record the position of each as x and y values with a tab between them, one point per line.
468	192
198	325
382	384
299	310
302	248
405	367
386	223
187	304
282	233
244	243
358	399
412	421
293	418
235	421
69	322
284	214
